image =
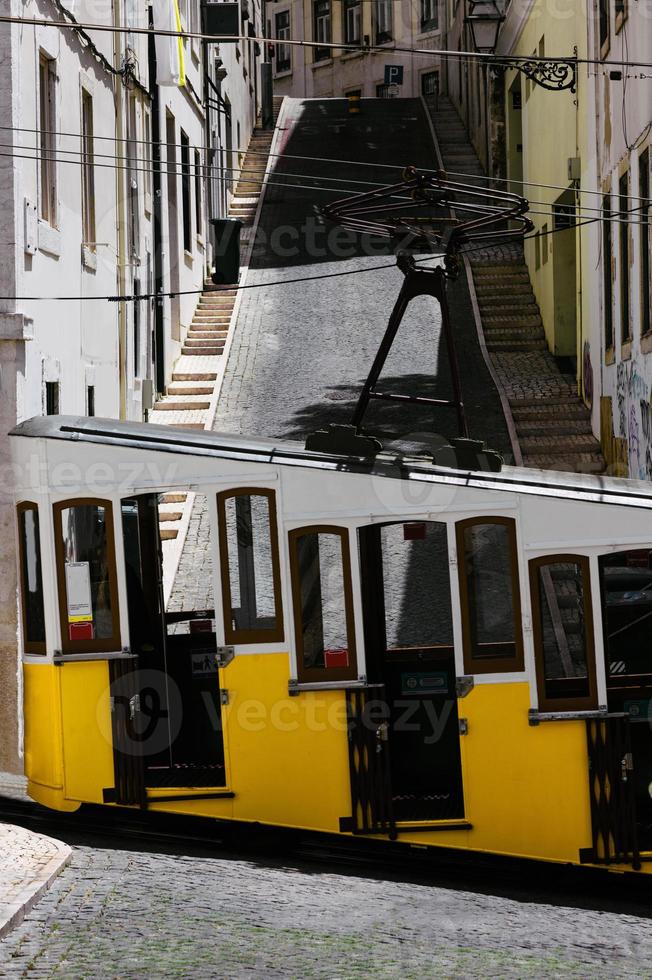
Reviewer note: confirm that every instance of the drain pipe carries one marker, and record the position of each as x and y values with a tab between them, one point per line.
157	238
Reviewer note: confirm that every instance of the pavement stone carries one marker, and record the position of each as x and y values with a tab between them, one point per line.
122	915
30	862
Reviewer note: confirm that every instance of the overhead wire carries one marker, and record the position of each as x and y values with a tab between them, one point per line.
485	57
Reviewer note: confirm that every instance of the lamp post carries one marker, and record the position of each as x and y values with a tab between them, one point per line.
484	19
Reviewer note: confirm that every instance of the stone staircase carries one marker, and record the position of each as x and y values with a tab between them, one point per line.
553	425
189	401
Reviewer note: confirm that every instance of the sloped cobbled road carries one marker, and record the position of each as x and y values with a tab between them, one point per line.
121	914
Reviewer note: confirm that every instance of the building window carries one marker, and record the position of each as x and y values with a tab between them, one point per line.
88	171
251	589
51	397
563	632
430	86
429	15
607	284
623	237
90	400
383	20
199	224
86	575
645	217
322	28
136	338
620	10
31	579
490	595
282	28
626	594
320	567
147	181
185	193
47	139
603	18
352	14
133	166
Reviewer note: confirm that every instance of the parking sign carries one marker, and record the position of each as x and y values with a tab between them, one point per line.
393	74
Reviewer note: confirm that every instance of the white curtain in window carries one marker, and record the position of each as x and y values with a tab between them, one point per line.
170	69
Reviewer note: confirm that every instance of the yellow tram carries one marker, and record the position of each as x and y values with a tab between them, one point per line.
247	630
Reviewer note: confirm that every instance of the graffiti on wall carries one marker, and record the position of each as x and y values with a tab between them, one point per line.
634	417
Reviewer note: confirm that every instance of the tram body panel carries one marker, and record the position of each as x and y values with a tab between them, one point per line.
521	785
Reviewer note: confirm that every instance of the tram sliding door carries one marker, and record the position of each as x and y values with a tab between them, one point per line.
178	710
626	594
409	649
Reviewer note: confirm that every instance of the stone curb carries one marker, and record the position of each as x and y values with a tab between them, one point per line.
20	903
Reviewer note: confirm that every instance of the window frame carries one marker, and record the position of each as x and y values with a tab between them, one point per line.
624	259
282	48
110	644
490	665
48	185
645	242
317	675
186	193
353	7
428	23
607	273
235	636
590	701
617	682
383	8
87	135
322	19
32	647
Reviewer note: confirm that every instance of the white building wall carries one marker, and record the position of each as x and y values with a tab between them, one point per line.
623	370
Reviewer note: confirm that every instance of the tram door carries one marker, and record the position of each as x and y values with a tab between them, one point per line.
177	711
626	595
409	647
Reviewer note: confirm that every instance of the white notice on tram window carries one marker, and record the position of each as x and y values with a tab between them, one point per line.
78	590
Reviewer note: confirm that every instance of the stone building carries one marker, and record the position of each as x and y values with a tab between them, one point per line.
317	71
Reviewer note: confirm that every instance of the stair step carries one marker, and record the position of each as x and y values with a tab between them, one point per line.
548	403
168	533
510	320
508	304
503	274
201	351
181	406
565	446
494	334
174	498
582	463
166	516
192	376
191	388
491	291
501	346
553	425
199	343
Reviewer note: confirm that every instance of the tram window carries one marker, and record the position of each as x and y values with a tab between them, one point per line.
626	592
563	632
416	585
490	595
31	579
88	604
250	566
323	604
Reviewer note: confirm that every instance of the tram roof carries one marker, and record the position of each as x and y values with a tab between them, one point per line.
392	464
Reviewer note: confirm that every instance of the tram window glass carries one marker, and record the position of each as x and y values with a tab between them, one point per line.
88	602
563	632
250	566
626	592
31	579
416	585
323	604
489	594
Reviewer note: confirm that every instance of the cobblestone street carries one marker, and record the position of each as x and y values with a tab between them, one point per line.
123	915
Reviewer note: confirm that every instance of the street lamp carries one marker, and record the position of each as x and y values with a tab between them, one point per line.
484	19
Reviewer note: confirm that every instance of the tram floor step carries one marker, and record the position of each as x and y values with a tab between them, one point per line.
573	463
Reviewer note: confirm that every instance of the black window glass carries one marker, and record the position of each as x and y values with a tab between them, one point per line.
563	630
626	590
31	578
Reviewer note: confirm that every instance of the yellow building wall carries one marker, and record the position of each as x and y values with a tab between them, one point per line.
554	130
